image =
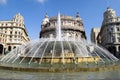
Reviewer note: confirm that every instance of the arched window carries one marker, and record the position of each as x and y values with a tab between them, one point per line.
9	48
1	48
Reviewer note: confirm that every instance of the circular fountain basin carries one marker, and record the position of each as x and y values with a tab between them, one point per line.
60	67
63	68
52	55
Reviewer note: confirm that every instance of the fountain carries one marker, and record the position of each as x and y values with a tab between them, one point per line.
58	28
57	54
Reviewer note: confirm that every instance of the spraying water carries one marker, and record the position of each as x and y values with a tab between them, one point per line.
58	28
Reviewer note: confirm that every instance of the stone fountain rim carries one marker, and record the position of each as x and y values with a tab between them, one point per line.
61	70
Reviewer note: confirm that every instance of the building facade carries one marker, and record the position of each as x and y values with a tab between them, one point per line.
3	40
71	27
109	35
12	33
94	34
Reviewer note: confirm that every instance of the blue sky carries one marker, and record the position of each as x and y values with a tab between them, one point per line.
91	12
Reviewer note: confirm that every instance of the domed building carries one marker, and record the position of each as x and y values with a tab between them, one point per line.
71	27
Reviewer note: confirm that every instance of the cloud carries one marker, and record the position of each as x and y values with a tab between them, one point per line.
3	1
41	1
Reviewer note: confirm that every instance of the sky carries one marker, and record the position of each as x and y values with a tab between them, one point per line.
33	11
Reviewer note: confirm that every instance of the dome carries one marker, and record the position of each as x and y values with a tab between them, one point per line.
18	18
109	13
45	20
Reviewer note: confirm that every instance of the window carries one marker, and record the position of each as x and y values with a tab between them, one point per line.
9	48
10	32
1	48
111	29
11	28
119	39
16	24
14	47
15	32
19	32
15	36
118	29
113	39
10	36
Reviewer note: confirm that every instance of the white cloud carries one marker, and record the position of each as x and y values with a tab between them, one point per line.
41	1
3	1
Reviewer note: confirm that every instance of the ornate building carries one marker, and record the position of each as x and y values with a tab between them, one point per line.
12	33
94	34
3	40
71	27
109	36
